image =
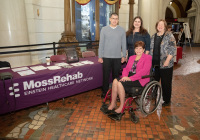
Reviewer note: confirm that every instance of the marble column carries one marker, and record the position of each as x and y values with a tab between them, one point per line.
73	18
150	13
69	34
97	30
139	8
117	7
14	31
196	35
131	10
67	18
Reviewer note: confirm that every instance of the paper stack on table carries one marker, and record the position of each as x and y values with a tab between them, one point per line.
77	64
61	64
26	72
37	68
87	62
20	69
53	67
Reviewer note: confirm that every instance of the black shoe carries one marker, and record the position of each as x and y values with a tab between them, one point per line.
104	107
166	104
105	110
116	116
110	111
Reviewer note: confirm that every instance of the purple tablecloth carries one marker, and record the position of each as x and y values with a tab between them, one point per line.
48	85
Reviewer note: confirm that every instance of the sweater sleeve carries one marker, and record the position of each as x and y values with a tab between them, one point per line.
145	70
124	48
101	43
172	45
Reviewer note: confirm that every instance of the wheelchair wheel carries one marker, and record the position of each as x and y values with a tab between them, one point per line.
151	97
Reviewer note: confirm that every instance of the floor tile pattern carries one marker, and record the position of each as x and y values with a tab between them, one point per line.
81	119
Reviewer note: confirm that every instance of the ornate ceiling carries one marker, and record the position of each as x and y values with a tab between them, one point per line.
180	7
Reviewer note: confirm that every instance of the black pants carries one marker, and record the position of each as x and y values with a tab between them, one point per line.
109	64
165	75
181	44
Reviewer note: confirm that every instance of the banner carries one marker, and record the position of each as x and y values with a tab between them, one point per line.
83	2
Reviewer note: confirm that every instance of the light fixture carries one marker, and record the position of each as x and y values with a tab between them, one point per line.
170	3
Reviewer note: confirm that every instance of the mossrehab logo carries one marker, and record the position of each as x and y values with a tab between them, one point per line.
55	80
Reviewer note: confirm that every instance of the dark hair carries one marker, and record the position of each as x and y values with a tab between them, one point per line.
139	43
180	28
142	30
165	24
169	26
114	14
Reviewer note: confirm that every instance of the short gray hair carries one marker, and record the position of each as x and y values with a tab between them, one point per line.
115	14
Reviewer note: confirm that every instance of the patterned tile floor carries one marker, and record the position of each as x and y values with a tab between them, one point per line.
80	117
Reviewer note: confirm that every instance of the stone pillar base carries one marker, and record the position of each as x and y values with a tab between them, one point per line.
68	37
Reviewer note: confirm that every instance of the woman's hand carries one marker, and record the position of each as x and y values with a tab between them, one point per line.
125	79
166	63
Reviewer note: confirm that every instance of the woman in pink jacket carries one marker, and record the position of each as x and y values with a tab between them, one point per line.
138	65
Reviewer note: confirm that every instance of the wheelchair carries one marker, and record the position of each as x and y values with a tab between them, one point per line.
147	98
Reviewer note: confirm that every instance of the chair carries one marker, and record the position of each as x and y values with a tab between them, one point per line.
4	65
57	58
149	98
88	54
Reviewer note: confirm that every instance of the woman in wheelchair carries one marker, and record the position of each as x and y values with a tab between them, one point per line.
138	65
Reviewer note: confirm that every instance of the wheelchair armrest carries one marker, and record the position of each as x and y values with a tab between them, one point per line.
147	76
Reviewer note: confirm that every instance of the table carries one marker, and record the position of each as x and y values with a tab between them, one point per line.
48	85
179	53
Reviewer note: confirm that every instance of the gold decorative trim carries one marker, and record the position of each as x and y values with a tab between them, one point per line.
83	2
111	1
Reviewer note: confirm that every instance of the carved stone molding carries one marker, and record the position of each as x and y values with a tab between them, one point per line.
68	38
131	2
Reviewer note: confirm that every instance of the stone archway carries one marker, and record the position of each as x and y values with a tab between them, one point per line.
173	11
165	5
196	38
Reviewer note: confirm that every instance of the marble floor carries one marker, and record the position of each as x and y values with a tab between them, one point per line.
81	118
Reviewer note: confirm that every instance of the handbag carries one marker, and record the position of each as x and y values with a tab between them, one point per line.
71	55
